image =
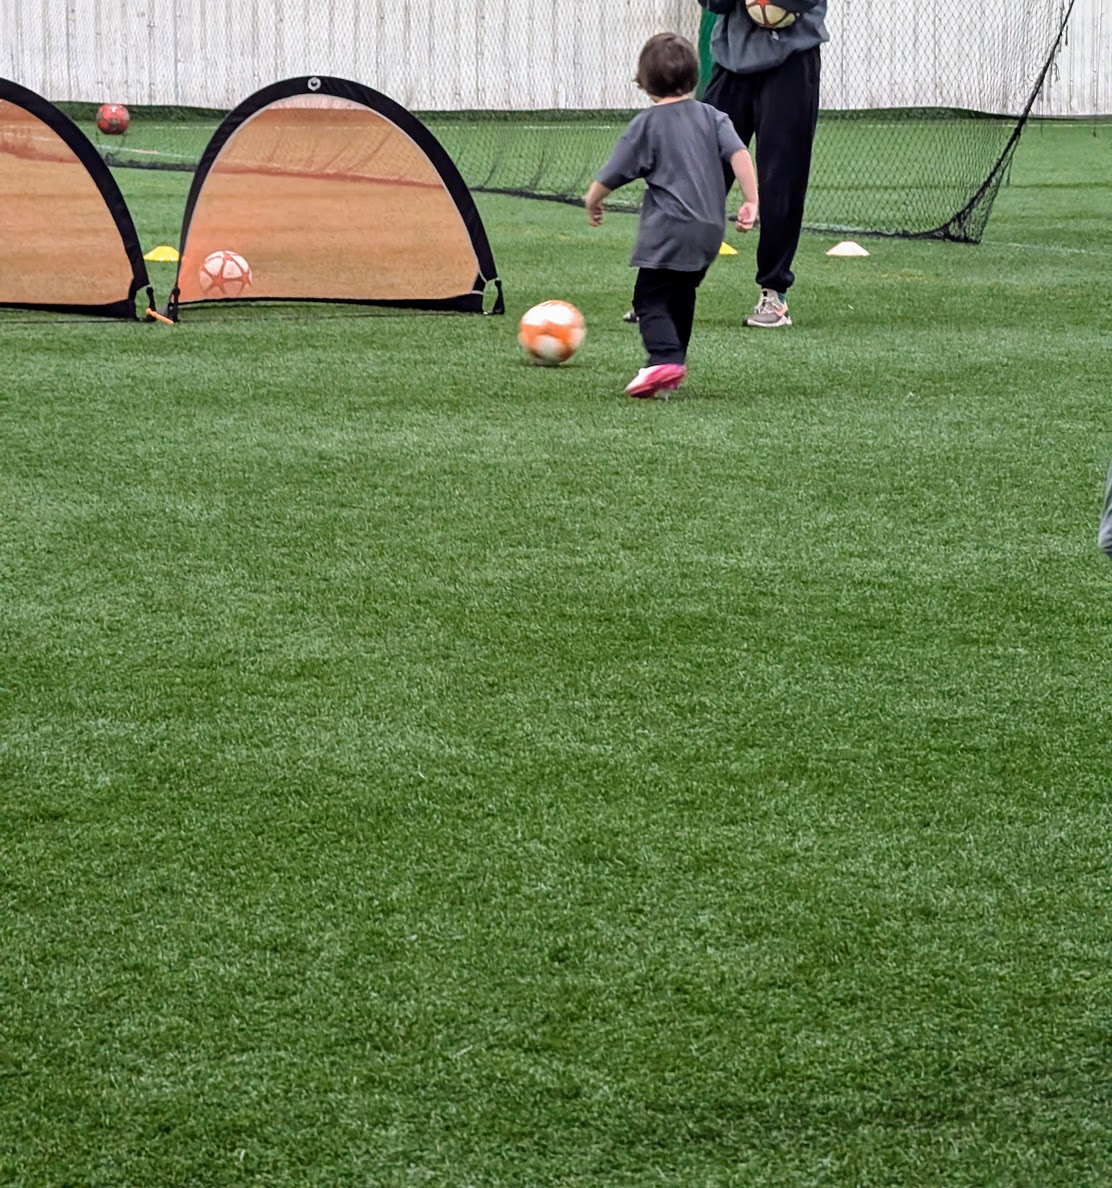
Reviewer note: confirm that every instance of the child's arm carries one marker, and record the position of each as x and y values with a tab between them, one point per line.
597	193
742	164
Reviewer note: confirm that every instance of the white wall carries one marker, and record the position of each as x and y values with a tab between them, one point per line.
1080	84
451	54
880	55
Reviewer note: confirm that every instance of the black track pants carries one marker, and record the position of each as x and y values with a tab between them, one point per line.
665	305
780	107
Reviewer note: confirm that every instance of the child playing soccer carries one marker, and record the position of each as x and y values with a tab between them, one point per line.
678	146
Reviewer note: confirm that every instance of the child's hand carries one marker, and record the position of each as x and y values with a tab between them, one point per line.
746	216
596	194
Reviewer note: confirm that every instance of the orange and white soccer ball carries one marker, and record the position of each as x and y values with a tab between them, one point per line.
769	16
224	274
550	333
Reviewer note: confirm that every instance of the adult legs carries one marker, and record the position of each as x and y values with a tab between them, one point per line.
786	109
780	108
733	95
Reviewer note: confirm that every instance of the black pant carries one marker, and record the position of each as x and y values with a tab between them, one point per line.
664	301
781	107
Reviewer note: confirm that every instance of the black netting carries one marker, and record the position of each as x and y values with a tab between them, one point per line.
920	110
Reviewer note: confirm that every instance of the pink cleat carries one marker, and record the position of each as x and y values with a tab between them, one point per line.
649	381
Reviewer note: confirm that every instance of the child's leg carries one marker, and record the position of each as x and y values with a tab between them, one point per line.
662	299
652	299
681	304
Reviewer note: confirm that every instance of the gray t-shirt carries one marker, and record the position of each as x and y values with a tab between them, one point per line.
740	45
679	149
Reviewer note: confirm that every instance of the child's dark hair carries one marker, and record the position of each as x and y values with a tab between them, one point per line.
668	66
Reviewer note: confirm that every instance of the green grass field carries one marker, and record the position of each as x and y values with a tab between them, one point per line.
417	768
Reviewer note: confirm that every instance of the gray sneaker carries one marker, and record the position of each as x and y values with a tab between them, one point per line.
769	311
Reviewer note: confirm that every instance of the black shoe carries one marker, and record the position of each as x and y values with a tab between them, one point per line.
631	317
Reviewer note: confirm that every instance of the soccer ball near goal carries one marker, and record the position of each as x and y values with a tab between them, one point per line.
550	333
224	274
113	118
769	16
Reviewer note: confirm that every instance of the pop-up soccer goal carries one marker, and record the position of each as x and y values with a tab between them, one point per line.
331	191
67	239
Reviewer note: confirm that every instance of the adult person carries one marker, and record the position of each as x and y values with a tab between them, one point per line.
767	82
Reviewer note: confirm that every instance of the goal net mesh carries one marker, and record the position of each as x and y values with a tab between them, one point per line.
333	192
67	241
920	111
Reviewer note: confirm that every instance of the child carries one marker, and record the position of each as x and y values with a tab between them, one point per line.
678	146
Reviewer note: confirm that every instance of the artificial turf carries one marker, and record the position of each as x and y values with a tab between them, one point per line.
421	768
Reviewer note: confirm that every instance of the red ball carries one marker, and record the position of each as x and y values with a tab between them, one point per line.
113	118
